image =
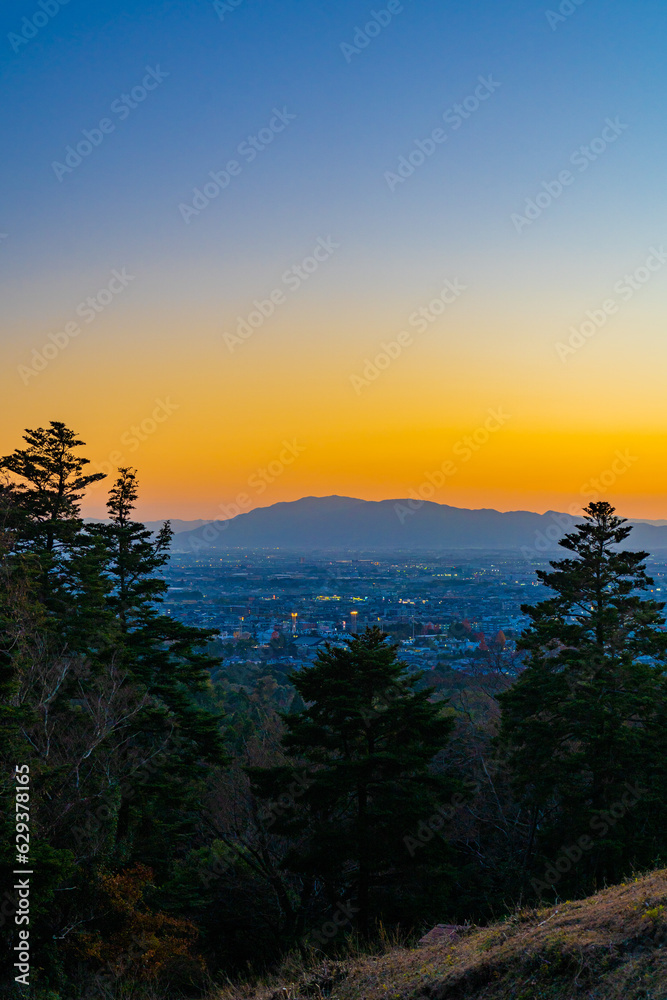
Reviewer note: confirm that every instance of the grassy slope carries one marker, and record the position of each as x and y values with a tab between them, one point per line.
611	946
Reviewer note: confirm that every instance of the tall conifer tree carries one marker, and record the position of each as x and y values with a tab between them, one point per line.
584	725
361	753
50	482
165	655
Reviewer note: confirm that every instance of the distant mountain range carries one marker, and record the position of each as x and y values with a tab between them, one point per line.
348	524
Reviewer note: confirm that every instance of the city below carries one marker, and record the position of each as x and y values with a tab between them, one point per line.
460	611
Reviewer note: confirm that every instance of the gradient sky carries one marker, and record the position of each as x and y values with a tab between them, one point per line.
568	413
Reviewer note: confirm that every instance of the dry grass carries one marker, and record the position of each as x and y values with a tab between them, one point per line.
611	946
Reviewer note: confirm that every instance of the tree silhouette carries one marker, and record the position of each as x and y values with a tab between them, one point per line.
583	727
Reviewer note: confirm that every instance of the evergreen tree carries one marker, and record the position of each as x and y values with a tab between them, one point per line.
165	655
360	758
15	612
99	689
135	556
47	483
168	660
23	628
51	482
584	725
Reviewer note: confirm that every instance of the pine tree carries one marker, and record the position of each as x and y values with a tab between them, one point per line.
135	556
169	661
16	609
361	755
102	687
584	725
23	628
168	657
51	482
47	483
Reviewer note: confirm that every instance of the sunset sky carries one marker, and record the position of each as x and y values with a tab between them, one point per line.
538	206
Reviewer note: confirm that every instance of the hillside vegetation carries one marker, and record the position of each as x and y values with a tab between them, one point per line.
186	828
610	946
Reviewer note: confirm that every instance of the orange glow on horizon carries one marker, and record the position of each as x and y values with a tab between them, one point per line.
210	431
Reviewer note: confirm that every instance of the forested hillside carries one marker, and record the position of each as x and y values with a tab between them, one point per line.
189	824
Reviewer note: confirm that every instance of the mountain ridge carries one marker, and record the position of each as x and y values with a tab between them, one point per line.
352	524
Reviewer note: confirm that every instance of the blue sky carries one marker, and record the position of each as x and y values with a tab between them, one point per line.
353	121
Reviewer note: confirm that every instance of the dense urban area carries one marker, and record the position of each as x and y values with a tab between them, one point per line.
461	610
